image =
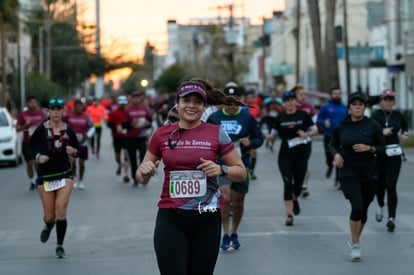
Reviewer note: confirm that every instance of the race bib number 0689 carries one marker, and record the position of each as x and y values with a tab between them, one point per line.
187	184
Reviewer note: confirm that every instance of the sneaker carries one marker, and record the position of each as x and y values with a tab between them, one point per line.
289	220
44	235
135	184
81	186
305	192
390	225
75	184
226	243
126	179
235	241
32	186
355	254
337	185
296	207
379	214
254	177
60	252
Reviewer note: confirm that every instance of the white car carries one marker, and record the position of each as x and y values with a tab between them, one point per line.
10	140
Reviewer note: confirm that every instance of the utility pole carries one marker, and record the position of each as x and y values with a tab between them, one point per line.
298	30
264	80
346	50
99	84
231	56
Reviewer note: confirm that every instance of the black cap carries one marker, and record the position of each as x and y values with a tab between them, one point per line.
56	102
357	95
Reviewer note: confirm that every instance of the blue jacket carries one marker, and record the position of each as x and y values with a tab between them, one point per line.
335	112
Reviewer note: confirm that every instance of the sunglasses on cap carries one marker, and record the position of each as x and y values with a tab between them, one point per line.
388	93
287	95
56	101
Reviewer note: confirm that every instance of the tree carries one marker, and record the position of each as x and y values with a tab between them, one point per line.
171	79
325	51
9	21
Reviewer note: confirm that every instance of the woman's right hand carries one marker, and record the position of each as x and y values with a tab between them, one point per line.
338	160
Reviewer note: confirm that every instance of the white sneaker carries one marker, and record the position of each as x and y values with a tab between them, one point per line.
75	184
81	186
379	215
355	254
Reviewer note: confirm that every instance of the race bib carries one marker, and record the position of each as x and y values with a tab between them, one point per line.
296	141
54	185
188	184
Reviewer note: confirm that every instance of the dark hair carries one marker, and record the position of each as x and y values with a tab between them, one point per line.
216	96
333	89
297	88
30	97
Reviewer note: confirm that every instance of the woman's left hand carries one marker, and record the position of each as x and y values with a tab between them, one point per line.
209	167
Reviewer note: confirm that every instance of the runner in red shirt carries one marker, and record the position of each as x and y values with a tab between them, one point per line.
27	122
115	120
82	124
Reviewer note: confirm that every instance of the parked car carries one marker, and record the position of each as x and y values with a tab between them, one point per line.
10	139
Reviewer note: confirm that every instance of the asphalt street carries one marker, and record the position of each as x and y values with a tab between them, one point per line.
110	226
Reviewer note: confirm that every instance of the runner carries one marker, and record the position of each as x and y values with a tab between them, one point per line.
188	226
115	120
54	142
82	124
138	117
245	133
392	123
329	116
354	144
301	104
294	127
98	115
27	122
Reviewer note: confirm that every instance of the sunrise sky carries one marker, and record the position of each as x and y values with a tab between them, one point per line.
130	23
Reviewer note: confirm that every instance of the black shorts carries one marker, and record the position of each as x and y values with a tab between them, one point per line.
28	154
119	144
83	152
239	187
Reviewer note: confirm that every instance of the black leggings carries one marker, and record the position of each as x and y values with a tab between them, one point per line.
329	156
360	194
187	242
389	170
97	135
132	145
293	168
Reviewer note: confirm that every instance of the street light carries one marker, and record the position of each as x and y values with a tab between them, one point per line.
144	83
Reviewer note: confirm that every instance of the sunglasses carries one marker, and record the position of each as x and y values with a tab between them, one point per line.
287	95
56	101
172	143
388	93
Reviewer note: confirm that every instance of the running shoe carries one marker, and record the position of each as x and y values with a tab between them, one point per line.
135	184
81	186
60	252
337	185
254	177
379	214
390	225
355	254
235	241
226	243
32	186
305	192
296	207
289	220
76	184
126	179
44	235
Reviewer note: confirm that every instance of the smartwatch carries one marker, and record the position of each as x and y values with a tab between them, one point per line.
224	170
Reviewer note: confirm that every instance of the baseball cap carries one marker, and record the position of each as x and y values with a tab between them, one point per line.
387	93
136	93
122	99
56	102
231	89
192	87
357	95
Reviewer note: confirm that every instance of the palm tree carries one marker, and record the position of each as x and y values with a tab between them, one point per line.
9	21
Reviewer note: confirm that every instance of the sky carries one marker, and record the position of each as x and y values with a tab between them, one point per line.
131	23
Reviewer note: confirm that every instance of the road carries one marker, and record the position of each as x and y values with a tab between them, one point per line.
110	226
